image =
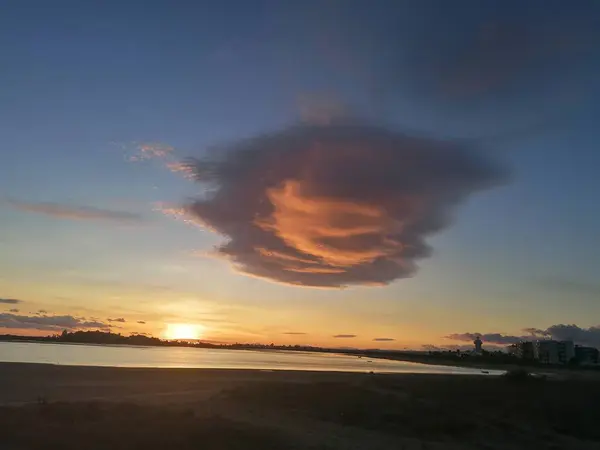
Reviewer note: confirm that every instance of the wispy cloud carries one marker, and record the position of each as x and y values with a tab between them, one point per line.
568	285
151	150
118	319
384	339
141	322
48	323
121	284
75	212
295	333
10	301
344	336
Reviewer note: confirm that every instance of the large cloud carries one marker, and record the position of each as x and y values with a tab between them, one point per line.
48	323
335	205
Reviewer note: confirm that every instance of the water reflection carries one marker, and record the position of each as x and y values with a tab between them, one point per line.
173	357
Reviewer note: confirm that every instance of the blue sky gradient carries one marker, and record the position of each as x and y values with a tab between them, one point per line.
83	83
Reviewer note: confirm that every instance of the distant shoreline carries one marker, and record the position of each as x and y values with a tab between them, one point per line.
94	344
474	363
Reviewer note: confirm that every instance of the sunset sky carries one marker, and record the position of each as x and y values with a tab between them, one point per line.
369	174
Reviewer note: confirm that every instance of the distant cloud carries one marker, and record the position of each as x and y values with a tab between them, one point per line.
10	301
493	338
569	285
431	348
336	205
584	336
42	311
536	332
444	348
504	54
141	322
345	336
47	323
75	212
295	333
321	109
14	310
119	319
383	339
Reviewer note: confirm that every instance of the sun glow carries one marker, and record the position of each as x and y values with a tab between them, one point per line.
183	331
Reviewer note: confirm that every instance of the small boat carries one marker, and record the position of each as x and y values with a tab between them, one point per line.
485	371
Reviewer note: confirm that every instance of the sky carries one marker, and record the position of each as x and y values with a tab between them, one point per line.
337	173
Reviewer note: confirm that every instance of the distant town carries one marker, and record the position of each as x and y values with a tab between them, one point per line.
546	352
549	351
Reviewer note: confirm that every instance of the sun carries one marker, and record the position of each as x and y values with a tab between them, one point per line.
183	331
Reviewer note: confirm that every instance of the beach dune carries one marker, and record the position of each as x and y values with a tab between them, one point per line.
46	406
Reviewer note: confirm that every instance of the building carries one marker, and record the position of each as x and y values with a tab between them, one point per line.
586	355
546	352
522	350
478	346
566	352
554	352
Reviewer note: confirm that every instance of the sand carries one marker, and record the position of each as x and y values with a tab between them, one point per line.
45	406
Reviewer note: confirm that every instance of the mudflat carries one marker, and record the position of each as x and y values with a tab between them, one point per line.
46	407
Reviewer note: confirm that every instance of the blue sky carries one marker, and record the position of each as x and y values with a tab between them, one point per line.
83	85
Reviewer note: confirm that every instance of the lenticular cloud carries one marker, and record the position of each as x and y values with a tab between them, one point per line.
334	205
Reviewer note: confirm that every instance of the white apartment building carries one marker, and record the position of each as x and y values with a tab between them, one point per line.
554	352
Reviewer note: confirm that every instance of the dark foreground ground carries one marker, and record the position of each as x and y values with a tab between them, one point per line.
50	407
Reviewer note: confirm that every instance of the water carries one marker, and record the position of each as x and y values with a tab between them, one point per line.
171	357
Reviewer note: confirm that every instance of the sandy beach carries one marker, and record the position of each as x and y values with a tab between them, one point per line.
46	406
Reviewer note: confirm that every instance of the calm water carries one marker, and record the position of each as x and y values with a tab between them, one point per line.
122	356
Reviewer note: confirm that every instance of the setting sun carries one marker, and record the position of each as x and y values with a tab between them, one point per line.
183	331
